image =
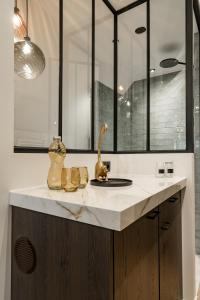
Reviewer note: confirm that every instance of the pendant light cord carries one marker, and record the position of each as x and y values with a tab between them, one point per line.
27	18
15	3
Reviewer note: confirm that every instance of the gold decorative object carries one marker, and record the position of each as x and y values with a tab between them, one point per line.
84	177
74	178
101	171
57	153
67	184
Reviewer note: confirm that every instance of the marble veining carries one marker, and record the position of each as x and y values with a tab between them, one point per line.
113	208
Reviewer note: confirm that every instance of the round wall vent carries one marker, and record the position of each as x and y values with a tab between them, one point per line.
25	255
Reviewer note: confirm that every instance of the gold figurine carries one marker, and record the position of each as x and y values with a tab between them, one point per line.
101	170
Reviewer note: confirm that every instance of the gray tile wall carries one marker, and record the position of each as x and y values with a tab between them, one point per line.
167	114
132	118
168	111
104	114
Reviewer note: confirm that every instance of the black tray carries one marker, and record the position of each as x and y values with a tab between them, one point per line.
112	182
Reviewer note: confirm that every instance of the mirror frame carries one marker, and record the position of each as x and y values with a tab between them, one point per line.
189	6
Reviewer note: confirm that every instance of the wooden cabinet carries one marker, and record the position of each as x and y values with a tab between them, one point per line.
170	249
72	260
136	260
58	259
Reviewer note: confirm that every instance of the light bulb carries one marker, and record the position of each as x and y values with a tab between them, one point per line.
128	103
152	71
26	48
121	88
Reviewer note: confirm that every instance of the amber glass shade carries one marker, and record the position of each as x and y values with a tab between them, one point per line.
29	59
18	25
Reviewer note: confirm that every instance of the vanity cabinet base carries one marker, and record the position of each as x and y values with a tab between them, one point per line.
73	260
59	259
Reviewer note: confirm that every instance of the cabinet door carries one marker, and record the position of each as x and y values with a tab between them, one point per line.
58	259
136	260
170	249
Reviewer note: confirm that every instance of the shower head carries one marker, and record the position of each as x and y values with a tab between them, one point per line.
170	63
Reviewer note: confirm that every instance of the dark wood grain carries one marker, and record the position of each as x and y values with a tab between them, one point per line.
136	261
74	260
170	250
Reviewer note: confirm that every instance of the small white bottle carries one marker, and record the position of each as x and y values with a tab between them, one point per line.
160	170
169	169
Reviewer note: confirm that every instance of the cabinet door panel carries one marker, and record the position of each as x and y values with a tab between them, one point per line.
170	249
136	261
73	260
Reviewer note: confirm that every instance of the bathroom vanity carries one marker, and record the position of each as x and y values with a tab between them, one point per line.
98	243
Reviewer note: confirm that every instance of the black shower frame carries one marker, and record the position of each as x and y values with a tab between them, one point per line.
189	80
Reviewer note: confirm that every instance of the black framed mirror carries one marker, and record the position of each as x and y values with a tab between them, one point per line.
111	71
37	100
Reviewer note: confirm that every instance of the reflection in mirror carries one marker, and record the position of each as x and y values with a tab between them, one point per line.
196	93
168	78
36	101
77	47
104	112
132	83
196	90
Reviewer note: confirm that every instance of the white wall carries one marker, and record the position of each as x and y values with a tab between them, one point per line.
19	170
15	169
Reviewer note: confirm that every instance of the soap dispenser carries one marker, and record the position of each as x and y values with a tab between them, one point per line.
57	153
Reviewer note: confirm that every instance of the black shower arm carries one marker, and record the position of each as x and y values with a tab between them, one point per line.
181	63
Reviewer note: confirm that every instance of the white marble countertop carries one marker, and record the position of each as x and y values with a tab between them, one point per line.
113	208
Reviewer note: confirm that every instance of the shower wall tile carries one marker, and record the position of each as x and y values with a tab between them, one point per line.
168	111
104	113
167	114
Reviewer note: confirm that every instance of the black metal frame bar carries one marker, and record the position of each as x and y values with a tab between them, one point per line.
115	117
189	79
148	122
93	78
110	7
130	6
196	5
60	110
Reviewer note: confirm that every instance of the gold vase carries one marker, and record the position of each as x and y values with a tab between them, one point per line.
57	153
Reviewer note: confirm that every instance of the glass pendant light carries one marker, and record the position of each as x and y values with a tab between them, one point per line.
18	24
29	58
